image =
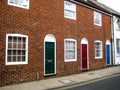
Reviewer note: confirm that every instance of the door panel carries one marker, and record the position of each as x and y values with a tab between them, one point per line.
84	57
108	55
49	58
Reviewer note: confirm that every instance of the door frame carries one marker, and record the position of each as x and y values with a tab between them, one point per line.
108	43
50	38
85	41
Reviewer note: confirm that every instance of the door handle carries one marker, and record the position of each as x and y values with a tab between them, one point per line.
49	60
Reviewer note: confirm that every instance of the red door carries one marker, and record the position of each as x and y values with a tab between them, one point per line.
84	57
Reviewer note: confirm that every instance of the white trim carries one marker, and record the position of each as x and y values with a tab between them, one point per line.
26	57
49	38
85	41
70	60
101	49
108	43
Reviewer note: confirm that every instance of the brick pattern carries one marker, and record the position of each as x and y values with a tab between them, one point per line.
47	17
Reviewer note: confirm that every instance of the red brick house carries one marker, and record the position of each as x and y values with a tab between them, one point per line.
39	39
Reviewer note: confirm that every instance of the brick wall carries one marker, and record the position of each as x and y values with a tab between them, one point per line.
47	17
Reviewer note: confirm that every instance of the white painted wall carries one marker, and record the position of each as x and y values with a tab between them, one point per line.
116	36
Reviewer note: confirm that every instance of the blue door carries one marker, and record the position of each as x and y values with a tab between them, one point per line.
108	61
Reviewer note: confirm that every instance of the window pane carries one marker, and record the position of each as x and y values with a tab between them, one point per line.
9	58
19	52
23	52
9	39
9	45
19	58
9	52
24	40
14	52
23	46
14	39
19	46
19	39
14	45
14	58
23	58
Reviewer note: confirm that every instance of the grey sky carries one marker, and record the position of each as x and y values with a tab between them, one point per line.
115	4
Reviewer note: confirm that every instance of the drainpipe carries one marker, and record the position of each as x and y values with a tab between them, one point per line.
113	44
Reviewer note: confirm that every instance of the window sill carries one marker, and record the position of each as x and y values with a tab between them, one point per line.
73	60
17	63
98	57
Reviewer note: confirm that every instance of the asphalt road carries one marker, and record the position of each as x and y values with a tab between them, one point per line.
112	83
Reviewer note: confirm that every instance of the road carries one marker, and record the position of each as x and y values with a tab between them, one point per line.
112	83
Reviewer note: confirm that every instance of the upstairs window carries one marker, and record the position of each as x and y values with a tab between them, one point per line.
97	19
118	46
16	49
98	49
118	25
70	50
69	10
19	3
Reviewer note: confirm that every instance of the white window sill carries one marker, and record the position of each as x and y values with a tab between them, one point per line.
98	57
72	60
17	63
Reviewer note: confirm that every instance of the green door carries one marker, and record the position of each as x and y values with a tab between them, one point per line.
49	58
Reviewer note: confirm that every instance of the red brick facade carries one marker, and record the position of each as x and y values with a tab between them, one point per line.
47	17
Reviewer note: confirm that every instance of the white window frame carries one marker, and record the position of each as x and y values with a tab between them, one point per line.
69	10
70	60
100	49
26	49
19	3
97	18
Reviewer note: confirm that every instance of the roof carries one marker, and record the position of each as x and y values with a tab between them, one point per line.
93	5
112	11
99	6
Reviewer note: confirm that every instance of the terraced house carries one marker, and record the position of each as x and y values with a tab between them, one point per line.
44	38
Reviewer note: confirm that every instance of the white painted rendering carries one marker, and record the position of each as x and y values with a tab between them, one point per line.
116	35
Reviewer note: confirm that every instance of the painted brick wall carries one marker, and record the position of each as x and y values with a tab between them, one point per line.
47	17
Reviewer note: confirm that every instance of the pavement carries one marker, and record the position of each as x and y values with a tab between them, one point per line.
57	82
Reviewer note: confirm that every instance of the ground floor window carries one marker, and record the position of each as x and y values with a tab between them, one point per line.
118	46
70	50
98	49
16	49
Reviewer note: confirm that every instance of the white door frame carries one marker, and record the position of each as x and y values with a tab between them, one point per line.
85	41
49	38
